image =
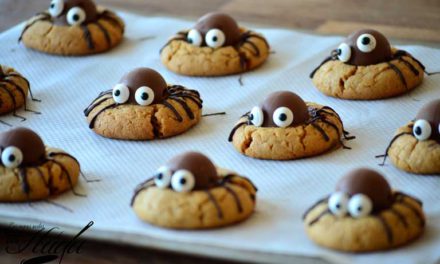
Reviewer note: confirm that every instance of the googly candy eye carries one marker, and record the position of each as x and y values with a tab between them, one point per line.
12	157
194	37
215	38
76	16
422	130
366	43
56	7
163	177
183	181
144	96
360	206
121	93
282	117
338	203
256	116
344	52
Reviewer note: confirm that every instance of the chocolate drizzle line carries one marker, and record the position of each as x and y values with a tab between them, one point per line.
236	198
105	32
320	201
88	36
387	228
400	217
14	103
214	201
23	94
53	154
322	214
384	156
40	17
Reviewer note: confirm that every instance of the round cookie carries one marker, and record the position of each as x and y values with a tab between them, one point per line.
415	147
73	28
31	171
215	46
366	67
284	127
143	106
364	214
189	192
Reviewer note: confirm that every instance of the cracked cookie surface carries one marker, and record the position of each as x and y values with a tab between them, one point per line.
14	89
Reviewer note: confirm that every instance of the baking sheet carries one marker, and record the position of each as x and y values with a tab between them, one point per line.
67	85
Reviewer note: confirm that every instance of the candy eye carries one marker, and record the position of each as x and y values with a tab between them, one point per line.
194	37
76	16
215	38
360	206
282	117
144	96
56	8
163	177
183	181
344	52
12	157
337	203
366	43
121	93
422	129
256	116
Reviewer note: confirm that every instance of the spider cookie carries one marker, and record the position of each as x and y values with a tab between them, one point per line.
416	146
14	89
364	214
366	67
215	46
189	192
31	171
73	28
143	106
284	127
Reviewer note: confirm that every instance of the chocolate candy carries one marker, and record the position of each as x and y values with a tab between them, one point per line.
427	122
27	142
223	22
365	47
73	12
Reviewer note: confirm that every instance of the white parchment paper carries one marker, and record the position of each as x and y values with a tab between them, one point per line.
67	85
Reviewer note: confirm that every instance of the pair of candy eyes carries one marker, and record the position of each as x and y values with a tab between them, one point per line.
358	205
75	16
365	43
422	129
11	157
215	38
282	116
144	95
180	181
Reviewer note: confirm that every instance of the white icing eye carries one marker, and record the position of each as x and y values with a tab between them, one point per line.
282	117
163	177
422	129
12	157
183	181
344	52
256	116
56	7
144	96
215	38
76	16
360	206
366	43
194	37
121	93
338	203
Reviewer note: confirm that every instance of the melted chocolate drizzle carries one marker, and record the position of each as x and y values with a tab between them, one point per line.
384	156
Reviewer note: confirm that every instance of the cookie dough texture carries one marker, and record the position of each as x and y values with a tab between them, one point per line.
377	81
195	210
134	122
368	233
414	156
288	143
186	59
70	40
10	91
11	183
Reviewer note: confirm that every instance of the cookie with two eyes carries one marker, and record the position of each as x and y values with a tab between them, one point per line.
364	214
415	147
29	170
190	192
143	106
215	46
73	28
365	67
284	127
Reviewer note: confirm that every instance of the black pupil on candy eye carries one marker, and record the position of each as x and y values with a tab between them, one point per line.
159	176
251	117
214	38
117	93
11	158
339	51
366	40
182	181
283	117
190	41
359	208
144	96
75	17
418	131
338	206
52	5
